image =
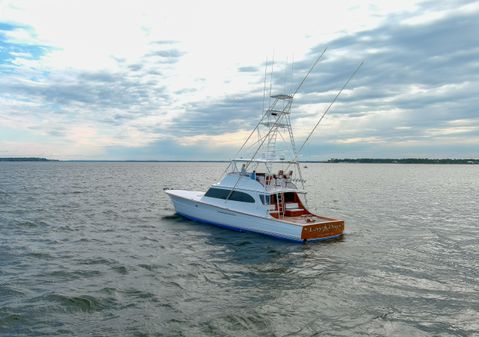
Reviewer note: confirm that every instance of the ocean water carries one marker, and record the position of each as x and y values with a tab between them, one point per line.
94	249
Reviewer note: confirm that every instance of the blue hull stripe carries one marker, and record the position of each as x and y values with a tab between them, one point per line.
245	230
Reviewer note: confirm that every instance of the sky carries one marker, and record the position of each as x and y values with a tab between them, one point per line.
166	80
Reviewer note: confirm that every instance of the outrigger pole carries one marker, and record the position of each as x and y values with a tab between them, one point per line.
309	72
264	91
327	109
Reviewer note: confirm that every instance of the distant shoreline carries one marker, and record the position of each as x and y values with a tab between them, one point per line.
330	161
27	159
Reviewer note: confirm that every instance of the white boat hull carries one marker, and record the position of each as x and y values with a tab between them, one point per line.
196	210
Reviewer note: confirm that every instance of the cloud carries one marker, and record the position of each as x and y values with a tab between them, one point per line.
190	92
172	54
418	78
119	106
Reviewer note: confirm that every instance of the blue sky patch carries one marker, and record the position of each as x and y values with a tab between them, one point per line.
9	50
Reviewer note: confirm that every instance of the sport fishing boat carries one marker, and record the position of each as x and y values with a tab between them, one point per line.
264	192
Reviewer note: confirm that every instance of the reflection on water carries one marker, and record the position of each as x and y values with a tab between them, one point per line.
99	243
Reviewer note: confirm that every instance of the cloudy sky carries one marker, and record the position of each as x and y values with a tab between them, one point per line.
184	79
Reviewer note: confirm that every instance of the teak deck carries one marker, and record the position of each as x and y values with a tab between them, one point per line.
308	219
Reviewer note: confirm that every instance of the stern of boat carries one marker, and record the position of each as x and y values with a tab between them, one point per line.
328	229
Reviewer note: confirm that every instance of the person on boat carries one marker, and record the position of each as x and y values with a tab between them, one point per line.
253	175
243	170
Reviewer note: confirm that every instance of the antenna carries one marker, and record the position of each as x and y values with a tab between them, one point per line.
292	73
264	83
285	77
271	80
264	91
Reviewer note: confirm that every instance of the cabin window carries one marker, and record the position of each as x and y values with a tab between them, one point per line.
220	193
217	193
265	199
243	197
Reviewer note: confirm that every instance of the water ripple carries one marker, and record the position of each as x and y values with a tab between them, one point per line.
95	249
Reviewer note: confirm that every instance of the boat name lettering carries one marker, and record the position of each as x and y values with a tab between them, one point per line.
324	228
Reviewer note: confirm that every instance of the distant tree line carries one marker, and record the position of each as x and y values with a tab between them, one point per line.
26	159
405	161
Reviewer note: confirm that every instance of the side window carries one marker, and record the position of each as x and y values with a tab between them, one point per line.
219	193
240	196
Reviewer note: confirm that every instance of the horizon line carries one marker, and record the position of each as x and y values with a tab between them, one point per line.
330	160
